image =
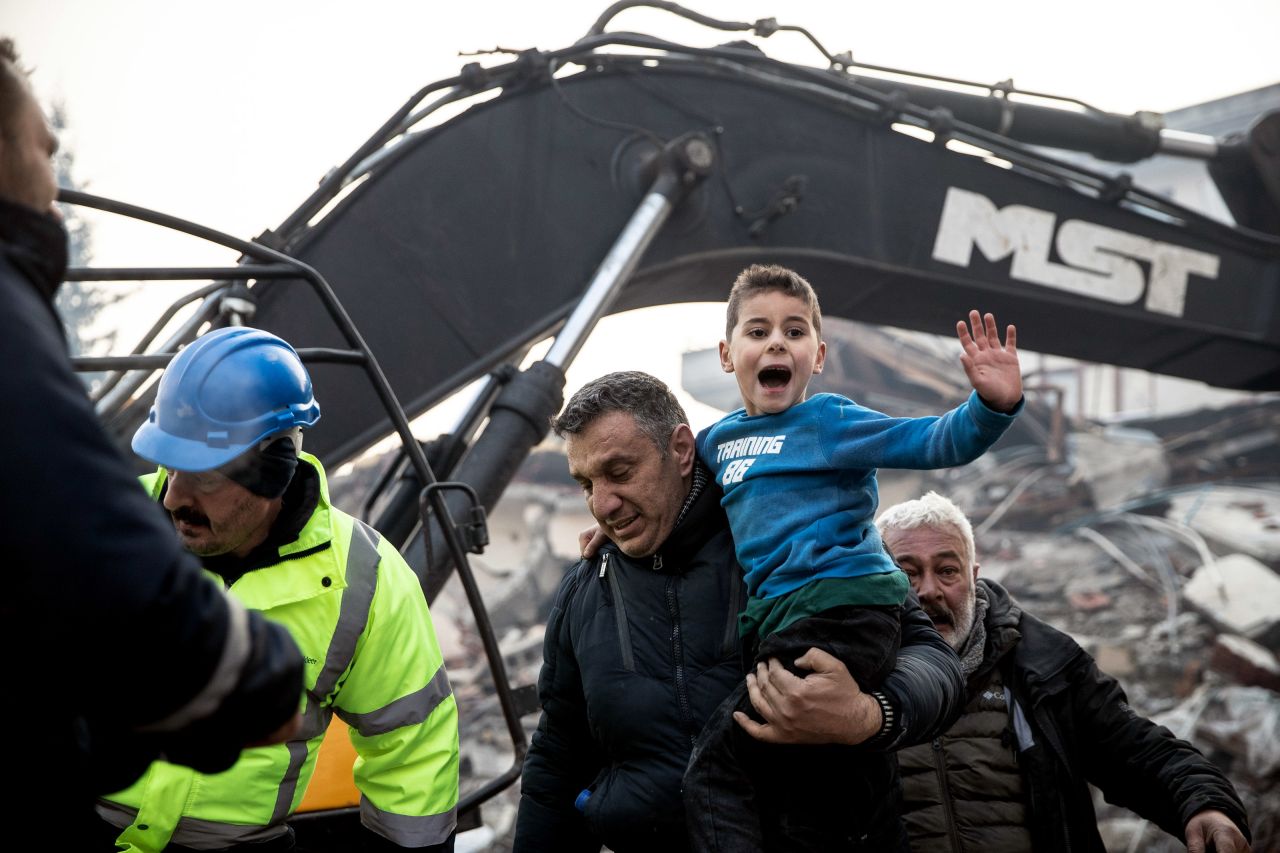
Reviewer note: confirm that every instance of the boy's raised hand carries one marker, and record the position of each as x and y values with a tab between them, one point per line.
992	367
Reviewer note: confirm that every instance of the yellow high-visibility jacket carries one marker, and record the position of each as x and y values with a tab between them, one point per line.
357	612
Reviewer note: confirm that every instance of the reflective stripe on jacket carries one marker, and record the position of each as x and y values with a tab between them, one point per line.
357	612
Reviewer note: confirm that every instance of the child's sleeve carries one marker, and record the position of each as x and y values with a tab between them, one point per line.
854	436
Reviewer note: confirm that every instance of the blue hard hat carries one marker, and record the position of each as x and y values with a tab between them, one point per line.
223	394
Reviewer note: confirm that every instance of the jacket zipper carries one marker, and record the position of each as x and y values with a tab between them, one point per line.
619	613
677	656
731	641
1051	745
940	762
1051	740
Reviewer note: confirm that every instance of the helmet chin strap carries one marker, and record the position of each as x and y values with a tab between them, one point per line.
267	469
294	433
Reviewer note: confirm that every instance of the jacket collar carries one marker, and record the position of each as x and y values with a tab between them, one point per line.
287	541
701	520
35	243
308	565
1040	653
298	504
1001	623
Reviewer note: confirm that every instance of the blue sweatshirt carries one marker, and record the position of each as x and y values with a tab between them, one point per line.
800	486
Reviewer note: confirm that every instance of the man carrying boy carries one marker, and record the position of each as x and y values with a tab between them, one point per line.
642	642
800	491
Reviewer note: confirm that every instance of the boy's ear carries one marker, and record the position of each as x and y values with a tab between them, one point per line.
726	361
821	357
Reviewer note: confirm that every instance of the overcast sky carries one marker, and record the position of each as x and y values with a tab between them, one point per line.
229	112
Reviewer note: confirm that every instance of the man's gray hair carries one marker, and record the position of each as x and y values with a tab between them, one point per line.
932	510
648	400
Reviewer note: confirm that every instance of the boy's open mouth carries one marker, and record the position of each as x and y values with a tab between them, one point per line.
775	377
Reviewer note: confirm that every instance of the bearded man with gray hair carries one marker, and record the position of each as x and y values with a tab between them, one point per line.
1040	723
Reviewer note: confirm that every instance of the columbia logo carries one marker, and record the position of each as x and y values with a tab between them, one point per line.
310	660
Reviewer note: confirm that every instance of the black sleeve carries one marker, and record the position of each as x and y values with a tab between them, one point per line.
563	759
1139	765
255	707
926	686
119	627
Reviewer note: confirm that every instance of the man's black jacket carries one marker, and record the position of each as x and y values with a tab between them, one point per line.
107	623
637	655
1086	733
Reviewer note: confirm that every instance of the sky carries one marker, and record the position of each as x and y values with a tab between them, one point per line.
228	113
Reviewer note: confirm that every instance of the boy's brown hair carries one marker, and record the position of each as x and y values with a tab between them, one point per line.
764	278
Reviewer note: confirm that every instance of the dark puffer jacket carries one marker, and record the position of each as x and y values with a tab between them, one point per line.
1084	733
638	654
964	792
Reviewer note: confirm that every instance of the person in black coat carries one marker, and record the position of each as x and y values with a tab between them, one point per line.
1041	721
118	650
642	641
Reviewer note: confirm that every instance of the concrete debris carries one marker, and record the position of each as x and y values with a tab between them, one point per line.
1238	593
1131	633
1118	832
1089	601
1246	520
1236	442
1118	464
1245	662
1115	660
1242	723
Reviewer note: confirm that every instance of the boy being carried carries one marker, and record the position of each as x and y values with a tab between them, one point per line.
799	480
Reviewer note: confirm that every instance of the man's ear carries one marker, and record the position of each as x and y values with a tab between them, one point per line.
682	446
975	569
821	358
726	361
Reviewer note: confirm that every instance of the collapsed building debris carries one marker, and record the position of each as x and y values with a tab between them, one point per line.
1238	593
1245	662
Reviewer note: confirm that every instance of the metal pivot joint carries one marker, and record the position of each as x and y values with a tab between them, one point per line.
679	167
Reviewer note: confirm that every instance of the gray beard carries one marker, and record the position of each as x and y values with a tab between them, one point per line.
973	620
963	625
